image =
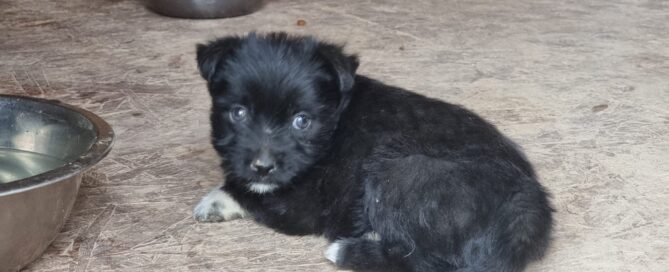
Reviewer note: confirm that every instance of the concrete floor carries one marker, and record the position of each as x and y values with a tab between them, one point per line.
582	85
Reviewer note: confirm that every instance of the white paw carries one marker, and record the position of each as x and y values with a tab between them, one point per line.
332	253
372	236
217	206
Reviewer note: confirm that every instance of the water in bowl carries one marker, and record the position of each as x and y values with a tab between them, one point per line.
18	164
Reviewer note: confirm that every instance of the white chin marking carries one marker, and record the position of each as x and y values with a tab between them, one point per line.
332	253
262	188
218	206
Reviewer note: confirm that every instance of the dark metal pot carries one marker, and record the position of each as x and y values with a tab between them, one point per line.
204	9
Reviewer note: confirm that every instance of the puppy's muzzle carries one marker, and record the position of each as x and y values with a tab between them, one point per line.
264	164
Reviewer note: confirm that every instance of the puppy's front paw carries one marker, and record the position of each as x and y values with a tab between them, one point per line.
217	206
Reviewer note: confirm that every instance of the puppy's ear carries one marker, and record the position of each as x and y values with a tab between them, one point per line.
212	55
341	65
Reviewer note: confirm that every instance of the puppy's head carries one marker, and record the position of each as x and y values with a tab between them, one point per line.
276	103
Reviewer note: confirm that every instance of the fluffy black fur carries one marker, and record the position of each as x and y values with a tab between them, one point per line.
439	188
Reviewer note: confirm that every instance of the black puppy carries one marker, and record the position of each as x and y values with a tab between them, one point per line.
397	181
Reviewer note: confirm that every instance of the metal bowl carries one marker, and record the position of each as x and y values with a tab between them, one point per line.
203	9
45	147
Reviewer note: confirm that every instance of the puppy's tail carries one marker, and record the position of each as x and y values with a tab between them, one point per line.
361	254
520	235
525	227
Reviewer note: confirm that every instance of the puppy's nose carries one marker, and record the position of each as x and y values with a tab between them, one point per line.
264	164
262	170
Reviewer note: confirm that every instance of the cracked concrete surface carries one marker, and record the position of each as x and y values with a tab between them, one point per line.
583	86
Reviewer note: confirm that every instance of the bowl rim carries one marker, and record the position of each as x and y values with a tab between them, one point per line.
97	151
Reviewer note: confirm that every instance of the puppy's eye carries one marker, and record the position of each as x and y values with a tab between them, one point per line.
301	121
238	113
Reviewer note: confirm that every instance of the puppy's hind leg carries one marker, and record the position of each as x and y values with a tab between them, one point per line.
361	254
218	206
